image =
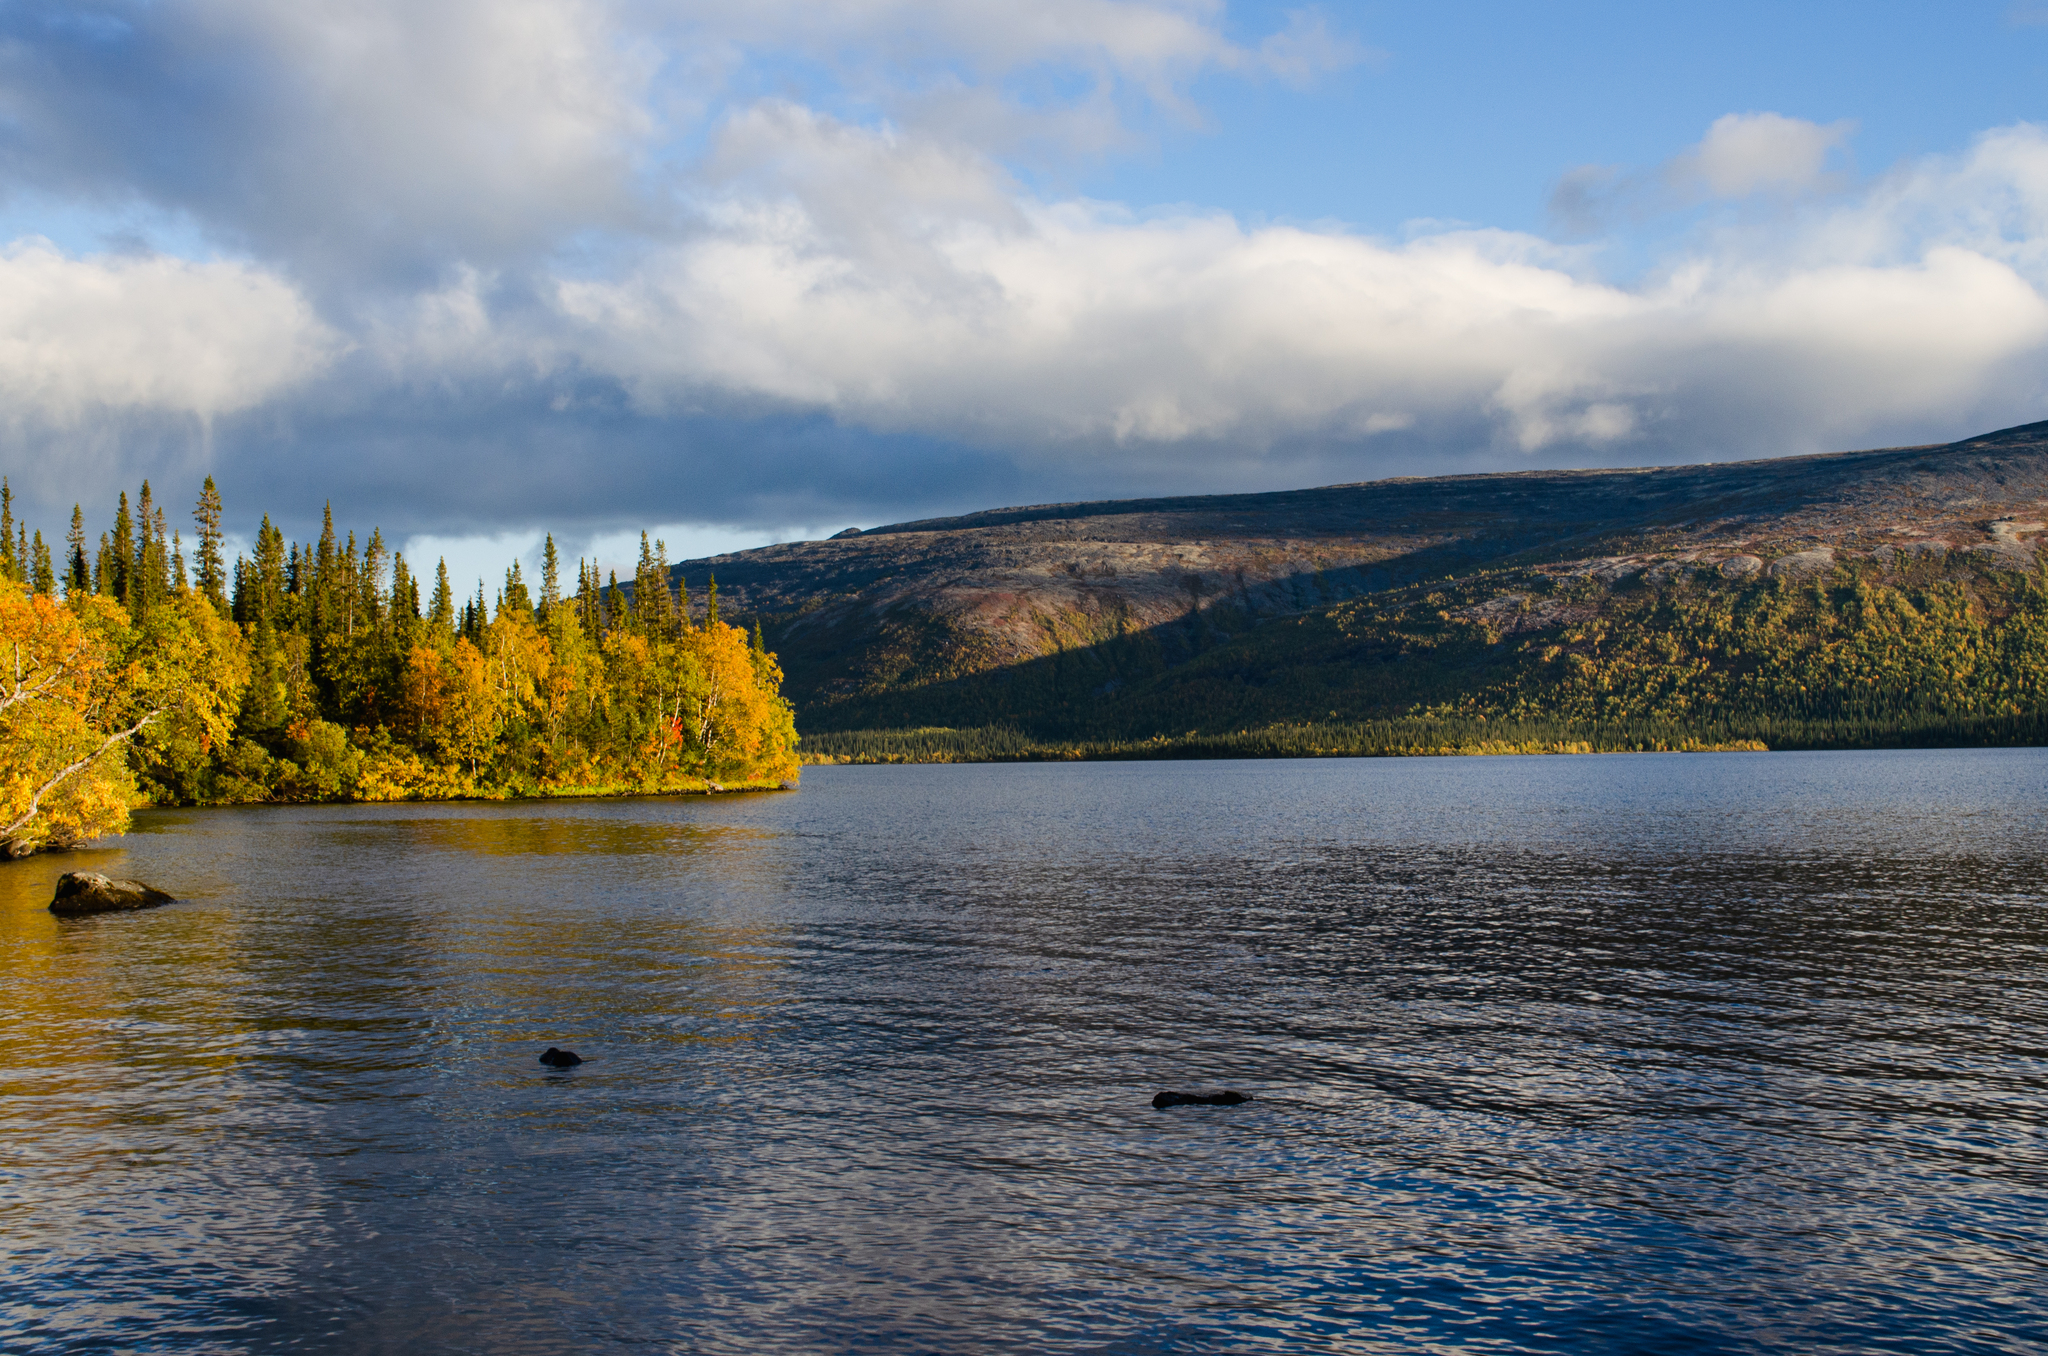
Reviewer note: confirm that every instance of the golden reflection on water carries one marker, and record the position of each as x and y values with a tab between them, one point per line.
404	937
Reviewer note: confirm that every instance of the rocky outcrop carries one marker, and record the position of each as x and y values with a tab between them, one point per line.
83	892
1740	567
1802	563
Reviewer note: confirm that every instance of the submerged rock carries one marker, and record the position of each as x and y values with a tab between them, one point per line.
80	892
1167	1099
560	1059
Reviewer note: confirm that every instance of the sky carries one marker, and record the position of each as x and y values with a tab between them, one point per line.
472	270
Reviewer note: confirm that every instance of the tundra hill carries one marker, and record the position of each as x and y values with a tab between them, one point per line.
1129	620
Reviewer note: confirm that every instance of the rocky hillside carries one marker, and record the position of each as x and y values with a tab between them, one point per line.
1053	615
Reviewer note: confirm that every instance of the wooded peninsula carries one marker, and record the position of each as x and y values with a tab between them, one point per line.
315	672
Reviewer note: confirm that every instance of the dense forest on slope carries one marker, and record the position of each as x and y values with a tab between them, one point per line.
1941	652
1845	600
313	672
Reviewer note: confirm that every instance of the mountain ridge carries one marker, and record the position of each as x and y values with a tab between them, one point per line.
886	626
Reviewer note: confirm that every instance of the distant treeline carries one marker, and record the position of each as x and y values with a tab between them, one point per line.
1421	737
314	671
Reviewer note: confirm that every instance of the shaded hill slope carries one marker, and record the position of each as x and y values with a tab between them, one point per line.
1127	619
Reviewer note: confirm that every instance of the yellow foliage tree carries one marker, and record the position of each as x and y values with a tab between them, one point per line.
81	683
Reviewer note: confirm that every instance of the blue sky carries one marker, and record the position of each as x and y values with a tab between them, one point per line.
475	269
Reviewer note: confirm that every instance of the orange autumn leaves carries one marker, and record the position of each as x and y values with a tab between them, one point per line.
629	711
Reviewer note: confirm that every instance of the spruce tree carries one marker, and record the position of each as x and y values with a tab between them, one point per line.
515	597
370	586
441	613
11	565
321	587
666	616
119	553
178	579
77	571
45	579
405	591
711	603
213	578
269	579
151	579
550	576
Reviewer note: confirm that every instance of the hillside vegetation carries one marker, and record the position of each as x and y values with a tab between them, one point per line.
1944	652
1851	600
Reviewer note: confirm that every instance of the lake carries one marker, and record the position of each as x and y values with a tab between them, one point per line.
1671	1053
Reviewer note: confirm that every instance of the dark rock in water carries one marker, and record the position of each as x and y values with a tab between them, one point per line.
80	892
560	1059
1167	1099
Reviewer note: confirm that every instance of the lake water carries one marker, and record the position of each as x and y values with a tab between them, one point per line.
1647	1053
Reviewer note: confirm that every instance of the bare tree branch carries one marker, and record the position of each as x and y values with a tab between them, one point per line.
35	801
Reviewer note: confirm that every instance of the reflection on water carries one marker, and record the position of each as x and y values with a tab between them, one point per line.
1687	1053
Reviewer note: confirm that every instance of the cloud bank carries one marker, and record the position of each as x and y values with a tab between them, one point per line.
480	266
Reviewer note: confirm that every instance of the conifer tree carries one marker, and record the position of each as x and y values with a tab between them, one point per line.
11	565
21	555
370	590
405	592
441	613
178	577
664	618
650	591
119	553
320	588
515	596
550	576
711	603
149	582
44	579
77	572
269	577
212	573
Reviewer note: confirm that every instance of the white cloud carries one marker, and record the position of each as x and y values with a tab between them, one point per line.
1063	329
81	337
1308	48
1741	156
1746	153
